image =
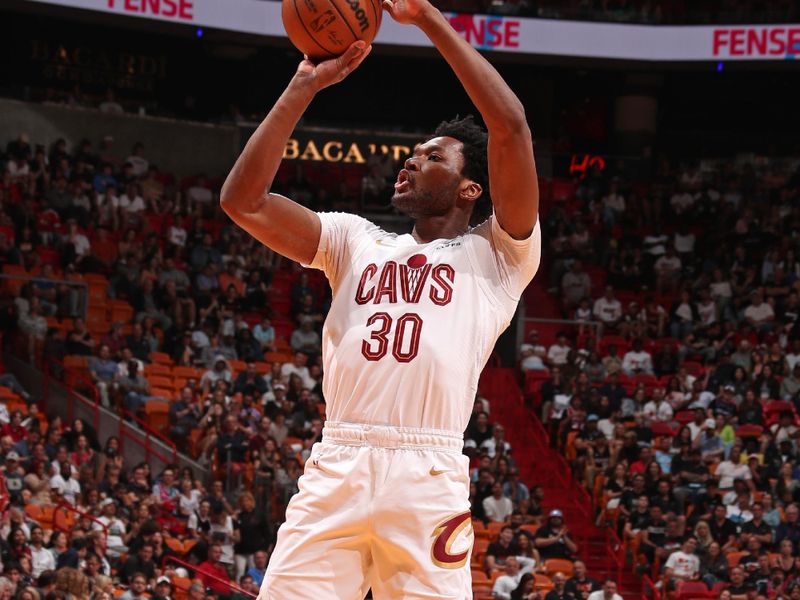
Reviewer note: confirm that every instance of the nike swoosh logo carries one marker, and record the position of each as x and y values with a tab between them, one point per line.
434	472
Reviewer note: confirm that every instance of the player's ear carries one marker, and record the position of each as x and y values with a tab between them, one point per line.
470	191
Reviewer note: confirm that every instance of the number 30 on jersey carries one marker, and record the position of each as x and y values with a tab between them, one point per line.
405	343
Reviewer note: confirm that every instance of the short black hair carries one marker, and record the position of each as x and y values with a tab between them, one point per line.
475	142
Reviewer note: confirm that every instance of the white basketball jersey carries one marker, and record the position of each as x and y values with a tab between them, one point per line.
412	325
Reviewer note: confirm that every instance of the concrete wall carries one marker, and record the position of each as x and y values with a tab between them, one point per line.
177	146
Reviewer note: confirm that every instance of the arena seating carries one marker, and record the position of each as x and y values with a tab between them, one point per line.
121	280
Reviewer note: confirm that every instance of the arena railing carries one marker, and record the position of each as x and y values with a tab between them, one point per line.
187	565
649	589
126	432
69	508
584	504
149	448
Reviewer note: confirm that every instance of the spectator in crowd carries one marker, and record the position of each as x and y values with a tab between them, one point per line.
727	301
498	551
138	588
608	310
141	564
553	540
559	591
515	568
497	507
580	585
575	285
212	573
683	565
637	360
558	354
609	592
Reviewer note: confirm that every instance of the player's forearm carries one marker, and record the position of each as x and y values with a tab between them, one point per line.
500	108
252	175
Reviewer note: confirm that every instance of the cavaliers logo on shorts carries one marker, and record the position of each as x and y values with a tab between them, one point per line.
445	534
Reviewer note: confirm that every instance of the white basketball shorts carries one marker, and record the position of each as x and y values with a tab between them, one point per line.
380	507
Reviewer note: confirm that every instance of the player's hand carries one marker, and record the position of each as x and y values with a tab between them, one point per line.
333	70
407	11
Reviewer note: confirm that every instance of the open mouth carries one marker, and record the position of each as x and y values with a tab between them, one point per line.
403	181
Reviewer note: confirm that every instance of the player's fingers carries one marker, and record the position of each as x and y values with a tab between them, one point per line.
388	5
351	66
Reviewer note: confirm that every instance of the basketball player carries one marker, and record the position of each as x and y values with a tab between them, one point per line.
383	502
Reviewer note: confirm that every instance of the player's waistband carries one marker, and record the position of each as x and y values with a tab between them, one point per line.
388	436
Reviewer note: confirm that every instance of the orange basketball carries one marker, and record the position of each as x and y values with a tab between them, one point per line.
326	28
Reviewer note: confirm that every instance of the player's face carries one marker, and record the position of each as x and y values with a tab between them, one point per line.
430	182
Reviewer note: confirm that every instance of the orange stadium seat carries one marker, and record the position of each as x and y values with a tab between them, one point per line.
159	381
542	583
157	414
262	368
161	358
558	565
157	369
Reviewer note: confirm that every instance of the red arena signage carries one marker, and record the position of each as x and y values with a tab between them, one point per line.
171	9
495	33
487	31
757	41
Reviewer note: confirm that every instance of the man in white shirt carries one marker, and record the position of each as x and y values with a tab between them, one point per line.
681	202
138	161
127	358
731	469
41	558
739	512
613	205
684	240
298	367
668	271
696	427
575	285
608	309
609	592
114	527
531	358
68	487
706	308
658	409
558	354
497	507
497	443
683	564
637	360
199	192
759	314
131	201
516	567
793	357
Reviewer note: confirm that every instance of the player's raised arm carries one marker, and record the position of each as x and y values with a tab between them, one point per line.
285	226
512	170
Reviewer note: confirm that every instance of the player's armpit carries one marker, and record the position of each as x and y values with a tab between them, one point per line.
280	224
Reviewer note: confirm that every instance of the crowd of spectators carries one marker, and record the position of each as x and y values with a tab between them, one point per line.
675	397
197	290
677	407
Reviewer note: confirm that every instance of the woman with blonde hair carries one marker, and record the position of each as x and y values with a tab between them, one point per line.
702	532
103	587
73	582
28	593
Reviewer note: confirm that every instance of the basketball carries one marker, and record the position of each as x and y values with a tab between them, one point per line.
325	28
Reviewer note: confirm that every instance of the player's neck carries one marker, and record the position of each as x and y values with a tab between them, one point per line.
445	227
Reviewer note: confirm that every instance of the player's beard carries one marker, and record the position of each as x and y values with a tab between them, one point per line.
417	203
